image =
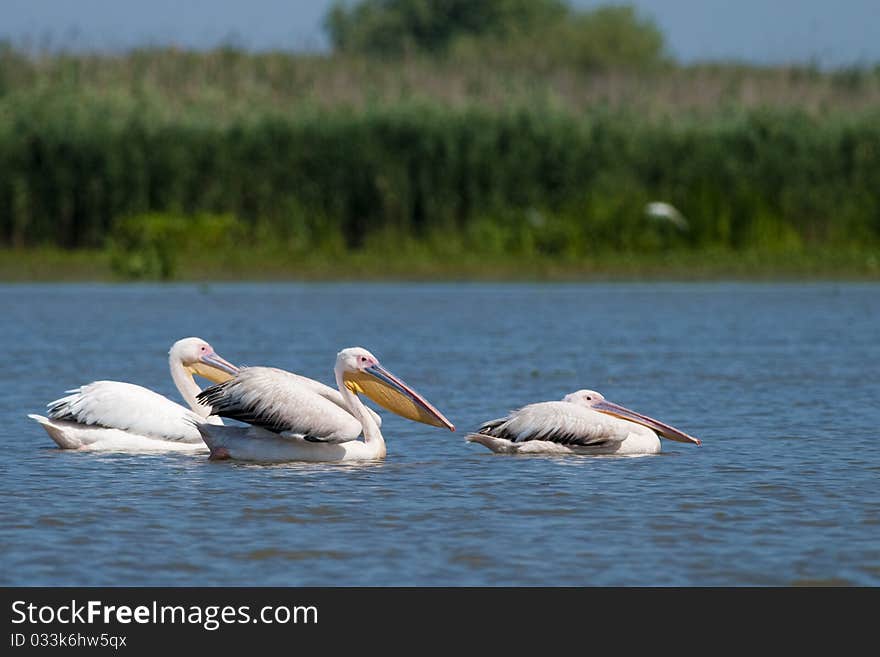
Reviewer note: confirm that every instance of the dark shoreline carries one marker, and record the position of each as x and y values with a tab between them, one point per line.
53	265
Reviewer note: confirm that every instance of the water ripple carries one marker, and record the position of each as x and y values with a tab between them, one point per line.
782	493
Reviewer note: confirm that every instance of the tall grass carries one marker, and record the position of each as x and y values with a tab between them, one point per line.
228	83
332	155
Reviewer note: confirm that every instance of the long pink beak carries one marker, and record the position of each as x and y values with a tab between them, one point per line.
220	363
384	375
605	406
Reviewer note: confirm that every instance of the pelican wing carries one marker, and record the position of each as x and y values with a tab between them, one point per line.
559	422
282	403
127	407
332	394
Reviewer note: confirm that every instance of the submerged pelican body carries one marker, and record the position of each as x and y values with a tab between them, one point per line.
112	415
584	422
293	420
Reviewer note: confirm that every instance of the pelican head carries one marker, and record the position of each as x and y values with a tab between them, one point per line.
361	372
595	401
198	357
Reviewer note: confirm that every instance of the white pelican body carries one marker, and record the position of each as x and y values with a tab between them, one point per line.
117	416
292	420
584	422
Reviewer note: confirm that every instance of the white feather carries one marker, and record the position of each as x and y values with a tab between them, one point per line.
332	394
260	445
559	427
283	402
127	407
113	415
71	435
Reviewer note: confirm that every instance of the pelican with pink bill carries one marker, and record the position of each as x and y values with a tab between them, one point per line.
293	418
584	422
120	416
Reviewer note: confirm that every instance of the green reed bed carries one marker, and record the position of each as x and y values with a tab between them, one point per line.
148	156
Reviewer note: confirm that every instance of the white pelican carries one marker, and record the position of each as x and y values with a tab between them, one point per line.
584	422
119	416
293	421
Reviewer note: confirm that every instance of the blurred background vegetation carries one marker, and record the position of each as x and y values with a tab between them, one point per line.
438	138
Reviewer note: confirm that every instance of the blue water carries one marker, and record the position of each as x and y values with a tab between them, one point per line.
779	380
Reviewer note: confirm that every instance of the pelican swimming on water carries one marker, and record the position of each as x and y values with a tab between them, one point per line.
584	422
293	421
118	416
